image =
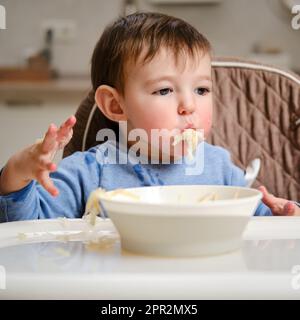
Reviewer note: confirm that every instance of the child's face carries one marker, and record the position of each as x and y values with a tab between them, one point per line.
161	94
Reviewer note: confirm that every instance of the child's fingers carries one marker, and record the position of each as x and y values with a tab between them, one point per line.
51	167
64	140
274	203
55	135
47	165
71	121
289	209
47	183
66	128
268	198
49	140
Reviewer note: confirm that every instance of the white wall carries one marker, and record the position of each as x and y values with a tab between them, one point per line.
24	20
233	26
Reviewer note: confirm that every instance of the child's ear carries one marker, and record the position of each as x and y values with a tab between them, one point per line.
108	101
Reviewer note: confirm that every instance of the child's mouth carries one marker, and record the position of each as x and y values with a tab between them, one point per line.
188	126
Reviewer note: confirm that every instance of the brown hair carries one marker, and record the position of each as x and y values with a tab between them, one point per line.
123	41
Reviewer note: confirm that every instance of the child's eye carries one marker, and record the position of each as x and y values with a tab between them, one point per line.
202	91
163	92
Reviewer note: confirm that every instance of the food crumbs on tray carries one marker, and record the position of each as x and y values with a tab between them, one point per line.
22	236
102	243
62	252
63	237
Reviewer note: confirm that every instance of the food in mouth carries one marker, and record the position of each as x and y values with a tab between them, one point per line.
192	137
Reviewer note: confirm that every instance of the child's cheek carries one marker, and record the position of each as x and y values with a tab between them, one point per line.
206	122
156	121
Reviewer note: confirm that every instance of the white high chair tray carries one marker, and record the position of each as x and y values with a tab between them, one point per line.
53	259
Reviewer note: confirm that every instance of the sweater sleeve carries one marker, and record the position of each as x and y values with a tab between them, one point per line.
76	176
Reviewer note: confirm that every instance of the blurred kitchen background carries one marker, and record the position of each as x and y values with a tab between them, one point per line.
46	47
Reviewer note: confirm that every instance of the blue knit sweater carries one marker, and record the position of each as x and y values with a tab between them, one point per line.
82	172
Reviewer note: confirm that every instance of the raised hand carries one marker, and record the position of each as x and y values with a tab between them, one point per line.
44	151
35	161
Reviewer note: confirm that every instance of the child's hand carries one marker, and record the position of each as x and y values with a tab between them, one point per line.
35	161
279	206
43	152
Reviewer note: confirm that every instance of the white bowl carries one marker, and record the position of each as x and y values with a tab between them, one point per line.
170	220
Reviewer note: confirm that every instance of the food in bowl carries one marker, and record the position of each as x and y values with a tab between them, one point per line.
93	208
171	221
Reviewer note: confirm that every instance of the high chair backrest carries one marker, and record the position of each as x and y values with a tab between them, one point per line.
256	116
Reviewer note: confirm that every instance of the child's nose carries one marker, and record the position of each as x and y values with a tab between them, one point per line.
186	108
